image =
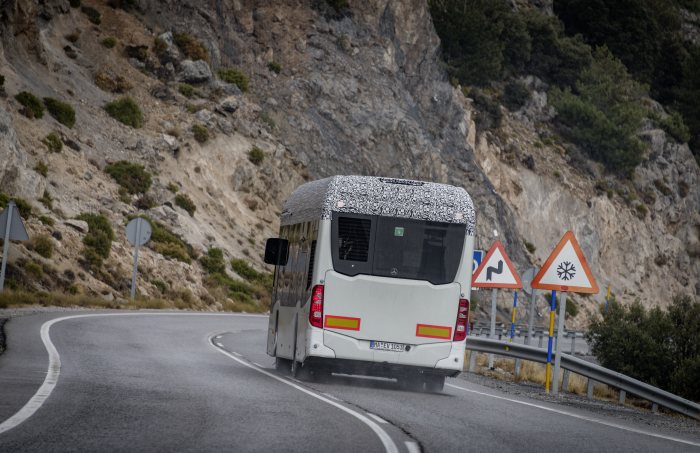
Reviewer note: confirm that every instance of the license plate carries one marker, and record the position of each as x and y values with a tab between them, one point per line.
386	346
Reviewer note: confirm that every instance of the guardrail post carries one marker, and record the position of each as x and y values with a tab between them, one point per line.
573	343
623	395
539	344
472	361
589	391
655	408
565	381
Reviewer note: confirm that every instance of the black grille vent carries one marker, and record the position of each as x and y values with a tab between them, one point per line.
312	255
353	238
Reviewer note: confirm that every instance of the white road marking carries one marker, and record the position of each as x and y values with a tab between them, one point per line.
257	364
219	344
330	396
386	440
54	370
580	417
412	447
237	354
377	418
217	337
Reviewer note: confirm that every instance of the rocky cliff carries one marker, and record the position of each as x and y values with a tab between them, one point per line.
356	89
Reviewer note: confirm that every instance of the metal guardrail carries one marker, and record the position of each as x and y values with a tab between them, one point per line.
590	370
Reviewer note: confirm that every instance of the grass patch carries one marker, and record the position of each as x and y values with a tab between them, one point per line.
166	243
201	133
172	187
267	120
46	220
109	42
186	90
132	177
43	245
186	203
61	111
46	199
235	77
98	240
191	46
33	107
274	67
41	168
256	155
111	84
126	111
53	142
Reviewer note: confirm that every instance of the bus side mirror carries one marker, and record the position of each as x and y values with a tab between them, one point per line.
277	251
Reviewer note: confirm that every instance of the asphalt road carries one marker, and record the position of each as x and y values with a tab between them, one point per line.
197	382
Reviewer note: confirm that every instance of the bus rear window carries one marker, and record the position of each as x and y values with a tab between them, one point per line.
397	247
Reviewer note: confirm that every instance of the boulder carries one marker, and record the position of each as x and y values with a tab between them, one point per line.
79	225
194	71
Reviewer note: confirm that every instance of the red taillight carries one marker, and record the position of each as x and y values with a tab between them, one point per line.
316	311
462	320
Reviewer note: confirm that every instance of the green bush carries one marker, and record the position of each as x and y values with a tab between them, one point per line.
61	111
489	115
235	77
274	67
98	240
201	133
126	111
674	126
46	220
530	246
46	200
174	188
657	347
132	177
186	203
33	106
166	243
213	262
190	46
53	142
242	268
186	90
267	120
109	42
515	95
42	168
256	155
662	187
43	245
92	14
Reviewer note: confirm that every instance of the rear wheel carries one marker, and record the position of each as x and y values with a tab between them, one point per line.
413	383
434	384
282	365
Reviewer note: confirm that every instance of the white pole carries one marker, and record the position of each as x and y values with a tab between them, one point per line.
494	293
531	320
560	343
6	244
136	259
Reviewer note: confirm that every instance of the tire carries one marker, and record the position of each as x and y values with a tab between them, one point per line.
282	365
412	383
434	384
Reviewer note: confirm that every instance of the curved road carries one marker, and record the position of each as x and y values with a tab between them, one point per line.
202	382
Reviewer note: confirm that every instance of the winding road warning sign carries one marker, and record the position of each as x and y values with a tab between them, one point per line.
496	270
566	269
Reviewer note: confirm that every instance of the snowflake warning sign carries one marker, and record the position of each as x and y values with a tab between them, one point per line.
566	269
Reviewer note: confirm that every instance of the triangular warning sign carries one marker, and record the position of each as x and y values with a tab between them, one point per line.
496	270
566	269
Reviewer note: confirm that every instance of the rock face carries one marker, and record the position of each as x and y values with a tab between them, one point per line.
363	92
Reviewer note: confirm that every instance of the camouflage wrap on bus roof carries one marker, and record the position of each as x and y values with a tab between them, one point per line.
380	196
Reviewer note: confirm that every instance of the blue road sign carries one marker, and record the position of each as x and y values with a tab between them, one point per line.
478	256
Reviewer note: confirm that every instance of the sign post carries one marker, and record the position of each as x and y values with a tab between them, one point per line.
11	229
138	232
496	271
550	342
527	287
566	270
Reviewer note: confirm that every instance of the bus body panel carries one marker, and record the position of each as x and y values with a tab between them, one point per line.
390	309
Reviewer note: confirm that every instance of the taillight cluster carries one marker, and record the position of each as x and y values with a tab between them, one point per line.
462	320
316	311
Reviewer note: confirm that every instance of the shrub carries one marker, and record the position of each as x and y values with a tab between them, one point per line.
161	285
530	246
662	187
213	261
43	245
74	3
46	199
73	37
166	243
132	177
160	46
61	111
33	106
274	67
126	111
235	77
109	42
515	95
186	203
256	155
116	84
242	268
190	46
201	133
172	250
53	142
489	115
42	168
98	240
92	14
46	220
25	209
139	53
642	210
267	120
674	126
657	347
173	187
186	90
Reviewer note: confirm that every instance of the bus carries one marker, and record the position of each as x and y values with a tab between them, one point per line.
372	277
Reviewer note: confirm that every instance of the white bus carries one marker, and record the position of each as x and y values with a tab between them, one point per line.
373	277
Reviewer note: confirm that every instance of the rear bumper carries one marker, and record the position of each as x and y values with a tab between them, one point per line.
365	368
